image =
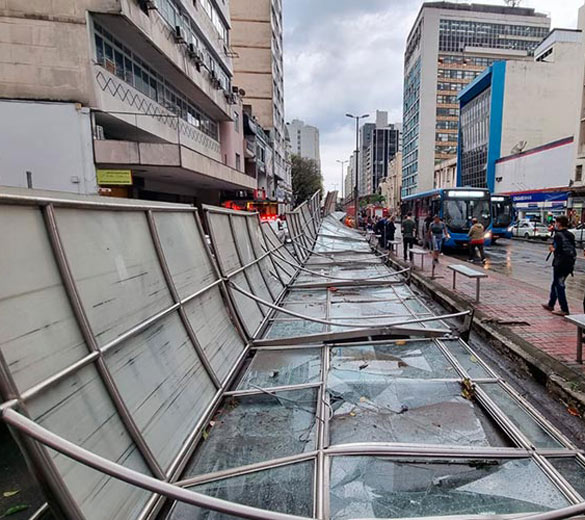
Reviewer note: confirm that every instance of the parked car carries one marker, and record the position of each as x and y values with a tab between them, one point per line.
527	229
579	232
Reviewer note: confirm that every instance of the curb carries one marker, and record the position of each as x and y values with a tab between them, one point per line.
567	385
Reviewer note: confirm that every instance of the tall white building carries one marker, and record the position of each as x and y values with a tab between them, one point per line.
449	45
304	140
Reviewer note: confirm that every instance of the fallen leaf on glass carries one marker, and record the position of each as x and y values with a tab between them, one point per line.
573	412
363	399
401	342
14	509
8	494
352	414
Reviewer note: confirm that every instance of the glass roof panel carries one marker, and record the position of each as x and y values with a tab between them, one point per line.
271	368
573	471
288	489
293	328
376	408
257	428
376	487
466	359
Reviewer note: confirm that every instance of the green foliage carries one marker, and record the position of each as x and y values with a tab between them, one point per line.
306	179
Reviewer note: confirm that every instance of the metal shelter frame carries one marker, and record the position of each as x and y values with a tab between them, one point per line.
254	261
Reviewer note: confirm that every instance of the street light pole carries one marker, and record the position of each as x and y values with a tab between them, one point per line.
357	162
342	183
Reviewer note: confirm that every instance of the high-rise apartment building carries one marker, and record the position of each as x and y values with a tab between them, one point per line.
304	140
256	41
379	143
449	46
139	90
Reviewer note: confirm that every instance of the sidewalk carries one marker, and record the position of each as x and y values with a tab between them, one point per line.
504	299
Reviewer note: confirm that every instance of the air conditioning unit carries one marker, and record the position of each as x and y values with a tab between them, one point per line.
179	34
231	98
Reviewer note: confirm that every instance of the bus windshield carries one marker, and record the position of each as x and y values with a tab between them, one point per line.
502	213
458	213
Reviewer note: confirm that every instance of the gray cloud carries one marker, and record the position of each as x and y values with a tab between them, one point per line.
347	56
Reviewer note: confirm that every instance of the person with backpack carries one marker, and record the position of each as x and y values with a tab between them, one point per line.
565	254
476	240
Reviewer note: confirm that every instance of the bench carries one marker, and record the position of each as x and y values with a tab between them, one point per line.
579	320
468	273
420	252
393	246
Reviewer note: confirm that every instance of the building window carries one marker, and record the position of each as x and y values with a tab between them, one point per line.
579	173
238	162
237	121
116	58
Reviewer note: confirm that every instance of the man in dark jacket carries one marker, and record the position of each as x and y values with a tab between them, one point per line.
380	230
408	234
390	230
565	255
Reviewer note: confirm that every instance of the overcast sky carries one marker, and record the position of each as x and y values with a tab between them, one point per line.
347	56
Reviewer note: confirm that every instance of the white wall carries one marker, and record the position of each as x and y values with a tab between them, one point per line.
547	169
51	140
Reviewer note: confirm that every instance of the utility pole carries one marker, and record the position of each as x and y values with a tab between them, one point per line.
342	179
357	162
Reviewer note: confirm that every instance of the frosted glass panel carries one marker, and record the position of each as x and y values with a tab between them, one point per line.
247	309
38	333
116	269
163	384
80	410
215	331
223	241
184	252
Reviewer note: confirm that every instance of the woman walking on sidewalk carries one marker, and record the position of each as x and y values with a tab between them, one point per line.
476	240
565	254
437	234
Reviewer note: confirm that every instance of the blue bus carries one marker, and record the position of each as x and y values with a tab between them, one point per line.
456	207
503	216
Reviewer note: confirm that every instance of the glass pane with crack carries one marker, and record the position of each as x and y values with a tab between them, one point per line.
256	428
377	408
377	487
270	368
288	489
292	328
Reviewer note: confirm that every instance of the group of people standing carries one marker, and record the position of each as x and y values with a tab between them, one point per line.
436	233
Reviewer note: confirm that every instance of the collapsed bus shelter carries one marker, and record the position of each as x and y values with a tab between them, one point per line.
148	373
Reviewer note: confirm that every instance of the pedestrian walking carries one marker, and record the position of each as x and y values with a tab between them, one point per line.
408	234
390	230
437	235
380	230
476	240
565	254
427	224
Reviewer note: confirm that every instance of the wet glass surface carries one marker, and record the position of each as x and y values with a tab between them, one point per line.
270	368
376	487
369	309
378	409
293	328
303	295
573	471
356	294
257	428
288	489
520	417
466	359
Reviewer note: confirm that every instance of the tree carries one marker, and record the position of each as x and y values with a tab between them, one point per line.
306	179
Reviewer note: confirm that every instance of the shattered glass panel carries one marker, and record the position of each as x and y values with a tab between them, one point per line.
573	471
372	408
520	417
357	294
375	487
288	489
369	309
255	428
412	360
466	359
312	309
293	328
302	295
271	368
